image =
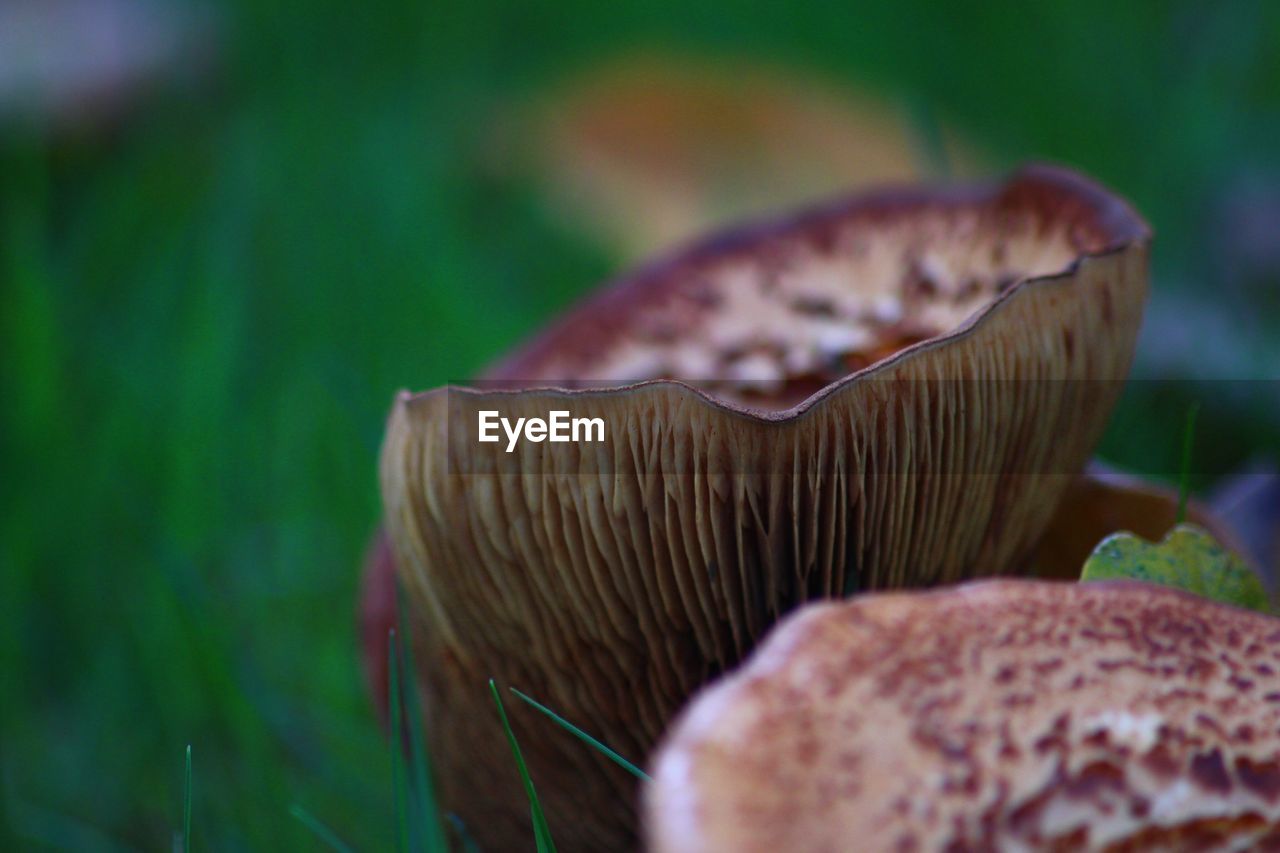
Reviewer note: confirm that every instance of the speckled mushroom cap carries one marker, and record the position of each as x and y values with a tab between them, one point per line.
886	391
1010	715
767	318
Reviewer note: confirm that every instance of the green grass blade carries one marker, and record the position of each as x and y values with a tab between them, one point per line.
428	825
464	838
186	806
8	835
319	830
541	831
584	737
394	739
1184	482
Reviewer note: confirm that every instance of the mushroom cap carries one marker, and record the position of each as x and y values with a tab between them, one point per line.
918	445
1004	714
771	318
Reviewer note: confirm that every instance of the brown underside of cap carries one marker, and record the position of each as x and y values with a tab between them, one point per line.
1009	715
611	580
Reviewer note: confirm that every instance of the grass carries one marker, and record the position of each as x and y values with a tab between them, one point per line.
396	707
420	827
186	805
465	840
584	737
1184	482
430	833
541	831
319	830
419	823
208	308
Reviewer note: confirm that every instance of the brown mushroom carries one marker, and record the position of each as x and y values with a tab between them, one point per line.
651	148
887	391
1001	715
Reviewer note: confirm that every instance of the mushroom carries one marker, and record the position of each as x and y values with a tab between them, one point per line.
653	147
999	715
888	391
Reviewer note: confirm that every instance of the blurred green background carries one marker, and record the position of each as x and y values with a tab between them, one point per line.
209	296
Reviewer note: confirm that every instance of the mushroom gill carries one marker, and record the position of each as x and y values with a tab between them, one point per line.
888	391
1000	715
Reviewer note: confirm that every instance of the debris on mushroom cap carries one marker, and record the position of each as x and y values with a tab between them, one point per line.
1006	715
611	580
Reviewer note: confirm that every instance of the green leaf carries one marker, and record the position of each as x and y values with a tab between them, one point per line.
1189	559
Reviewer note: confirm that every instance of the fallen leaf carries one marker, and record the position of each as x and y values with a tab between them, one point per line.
1189	558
